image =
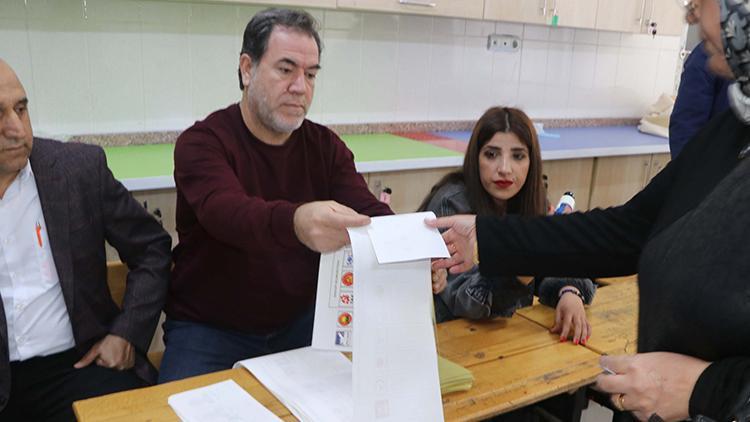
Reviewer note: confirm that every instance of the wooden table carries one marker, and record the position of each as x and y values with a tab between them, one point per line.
607	281
150	403
613	316
515	362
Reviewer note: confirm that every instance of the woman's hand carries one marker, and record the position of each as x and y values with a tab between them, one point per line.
651	383
439	280
460	238
570	318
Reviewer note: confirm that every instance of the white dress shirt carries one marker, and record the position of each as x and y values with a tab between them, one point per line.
35	312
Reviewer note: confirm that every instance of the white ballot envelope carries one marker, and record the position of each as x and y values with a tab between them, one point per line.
221	402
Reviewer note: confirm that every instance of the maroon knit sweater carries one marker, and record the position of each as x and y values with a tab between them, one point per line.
238	264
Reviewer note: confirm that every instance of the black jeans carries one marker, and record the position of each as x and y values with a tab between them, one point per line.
44	388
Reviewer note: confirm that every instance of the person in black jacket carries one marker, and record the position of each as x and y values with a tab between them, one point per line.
502	174
686	234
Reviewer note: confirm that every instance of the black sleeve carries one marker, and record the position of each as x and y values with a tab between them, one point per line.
596	243
721	389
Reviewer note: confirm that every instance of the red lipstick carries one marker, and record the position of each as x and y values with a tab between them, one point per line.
503	183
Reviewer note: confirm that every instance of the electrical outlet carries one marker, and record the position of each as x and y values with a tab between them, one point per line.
503	42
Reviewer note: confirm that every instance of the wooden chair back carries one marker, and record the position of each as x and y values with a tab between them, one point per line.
117	273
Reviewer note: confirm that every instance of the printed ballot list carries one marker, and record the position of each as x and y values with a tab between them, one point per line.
397	238
334	304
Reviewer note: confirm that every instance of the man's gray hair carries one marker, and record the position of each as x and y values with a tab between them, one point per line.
258	31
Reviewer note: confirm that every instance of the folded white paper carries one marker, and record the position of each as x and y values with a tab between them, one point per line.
221	402
394	361
315	385
405	237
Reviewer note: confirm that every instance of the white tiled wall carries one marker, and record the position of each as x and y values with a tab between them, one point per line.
124	65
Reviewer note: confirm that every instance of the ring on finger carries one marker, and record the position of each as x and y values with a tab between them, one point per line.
619	402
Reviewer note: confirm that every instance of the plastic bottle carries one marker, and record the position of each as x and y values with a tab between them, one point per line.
567	201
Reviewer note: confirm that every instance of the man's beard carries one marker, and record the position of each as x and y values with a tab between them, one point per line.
259	100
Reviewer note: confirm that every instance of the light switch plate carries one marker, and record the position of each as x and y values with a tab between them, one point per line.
503	42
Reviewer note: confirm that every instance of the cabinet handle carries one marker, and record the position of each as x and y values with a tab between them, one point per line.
418	3
650	21
643	12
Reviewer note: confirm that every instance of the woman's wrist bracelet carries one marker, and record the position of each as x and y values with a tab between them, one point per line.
571	290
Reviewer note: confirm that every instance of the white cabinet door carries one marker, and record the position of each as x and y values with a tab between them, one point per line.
617	179
526	11
574	13
622	15
471	9
668	16
570	13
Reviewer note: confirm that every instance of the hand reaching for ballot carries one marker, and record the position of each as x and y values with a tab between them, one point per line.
321	225
460	238
110	352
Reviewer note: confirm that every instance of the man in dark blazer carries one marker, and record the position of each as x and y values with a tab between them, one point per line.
62	338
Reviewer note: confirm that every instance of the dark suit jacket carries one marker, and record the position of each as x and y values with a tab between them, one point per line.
83	205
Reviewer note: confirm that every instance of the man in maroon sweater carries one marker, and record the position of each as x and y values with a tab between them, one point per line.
260	192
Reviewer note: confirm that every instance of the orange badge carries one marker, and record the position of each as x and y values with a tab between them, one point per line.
345	318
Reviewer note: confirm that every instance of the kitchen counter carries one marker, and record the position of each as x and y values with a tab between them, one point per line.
582	142
146	167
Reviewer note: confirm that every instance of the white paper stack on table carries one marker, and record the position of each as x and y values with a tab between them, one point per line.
221	402
315	385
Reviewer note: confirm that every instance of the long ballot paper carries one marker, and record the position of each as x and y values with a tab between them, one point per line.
221	402
394	376
315	385
395	371
395	238
334	302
